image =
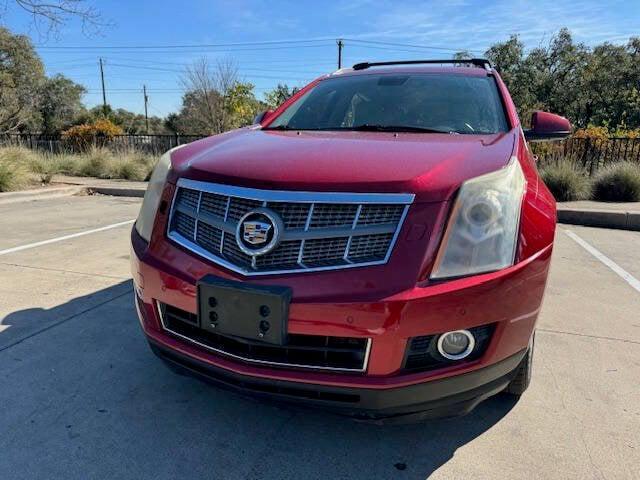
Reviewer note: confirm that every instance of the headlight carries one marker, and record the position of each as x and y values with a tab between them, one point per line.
147	215
482	233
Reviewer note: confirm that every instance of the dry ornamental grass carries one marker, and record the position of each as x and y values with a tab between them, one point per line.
20	167
618	182
566	181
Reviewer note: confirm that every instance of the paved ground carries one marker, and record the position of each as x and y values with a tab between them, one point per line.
82	397
612	206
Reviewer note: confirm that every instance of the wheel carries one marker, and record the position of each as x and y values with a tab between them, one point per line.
521	381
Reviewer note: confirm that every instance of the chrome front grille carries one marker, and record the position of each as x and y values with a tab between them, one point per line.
322	231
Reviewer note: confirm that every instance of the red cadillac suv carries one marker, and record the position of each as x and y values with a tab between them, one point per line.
378	245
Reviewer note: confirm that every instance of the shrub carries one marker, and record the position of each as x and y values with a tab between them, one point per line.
566	180
96	134
618	182
67	163
14	172
133	165
593	132
45	166
95	163
128	169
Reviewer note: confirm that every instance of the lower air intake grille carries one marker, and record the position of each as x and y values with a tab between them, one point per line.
271	388
302	351
422	353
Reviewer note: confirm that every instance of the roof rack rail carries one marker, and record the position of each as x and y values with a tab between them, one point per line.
478	62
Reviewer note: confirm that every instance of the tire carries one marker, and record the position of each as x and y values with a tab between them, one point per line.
521	381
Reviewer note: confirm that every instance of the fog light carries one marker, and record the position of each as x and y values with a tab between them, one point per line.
456	345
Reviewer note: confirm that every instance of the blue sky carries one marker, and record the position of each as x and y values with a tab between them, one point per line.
437	28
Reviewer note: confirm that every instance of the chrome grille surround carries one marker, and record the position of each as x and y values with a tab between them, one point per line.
323	230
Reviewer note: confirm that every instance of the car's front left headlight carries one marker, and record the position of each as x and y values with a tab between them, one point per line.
147	215
482	232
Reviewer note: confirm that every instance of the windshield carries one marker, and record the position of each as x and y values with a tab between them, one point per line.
426	102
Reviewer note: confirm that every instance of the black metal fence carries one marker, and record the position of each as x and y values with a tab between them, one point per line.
154	144
590	154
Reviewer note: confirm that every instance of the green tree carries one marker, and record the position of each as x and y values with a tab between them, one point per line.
242	105
215	99
198	114
172	123
462	55
508	57
60	103
590	86
612	83
130	122
279	95
21	77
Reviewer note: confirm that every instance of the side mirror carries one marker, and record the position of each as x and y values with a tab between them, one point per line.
262	116
547	126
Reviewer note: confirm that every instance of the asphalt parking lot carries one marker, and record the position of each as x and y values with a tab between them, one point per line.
82	397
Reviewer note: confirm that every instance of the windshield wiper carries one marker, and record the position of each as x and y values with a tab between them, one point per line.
280	127
367	127
370	127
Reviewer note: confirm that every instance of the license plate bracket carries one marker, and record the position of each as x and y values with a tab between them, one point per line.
243	310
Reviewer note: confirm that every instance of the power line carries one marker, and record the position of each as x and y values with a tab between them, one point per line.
195	45
241	64
200	50
397	44
392	49
136	90
240	68
244	46
96	91
142	67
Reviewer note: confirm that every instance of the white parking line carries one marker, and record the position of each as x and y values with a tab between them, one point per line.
66	237
621	272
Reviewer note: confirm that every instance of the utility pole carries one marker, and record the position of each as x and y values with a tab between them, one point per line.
146	101
340	45
104	95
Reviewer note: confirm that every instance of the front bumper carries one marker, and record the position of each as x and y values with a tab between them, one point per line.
510	299
446	397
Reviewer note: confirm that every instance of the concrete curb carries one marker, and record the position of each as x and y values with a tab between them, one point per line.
40	194
67	191
118	191
600	218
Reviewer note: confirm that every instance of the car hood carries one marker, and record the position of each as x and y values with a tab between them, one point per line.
432	166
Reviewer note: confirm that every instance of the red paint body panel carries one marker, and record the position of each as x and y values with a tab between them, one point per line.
388	303
430	165
511	297
545	123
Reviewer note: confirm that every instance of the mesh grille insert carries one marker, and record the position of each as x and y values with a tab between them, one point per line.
312	235
377	214
184	225
333	215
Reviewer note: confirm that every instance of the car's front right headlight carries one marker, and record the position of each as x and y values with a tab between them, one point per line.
147	215
482	232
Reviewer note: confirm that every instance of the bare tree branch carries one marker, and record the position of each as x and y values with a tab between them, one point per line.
210	86
50	16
